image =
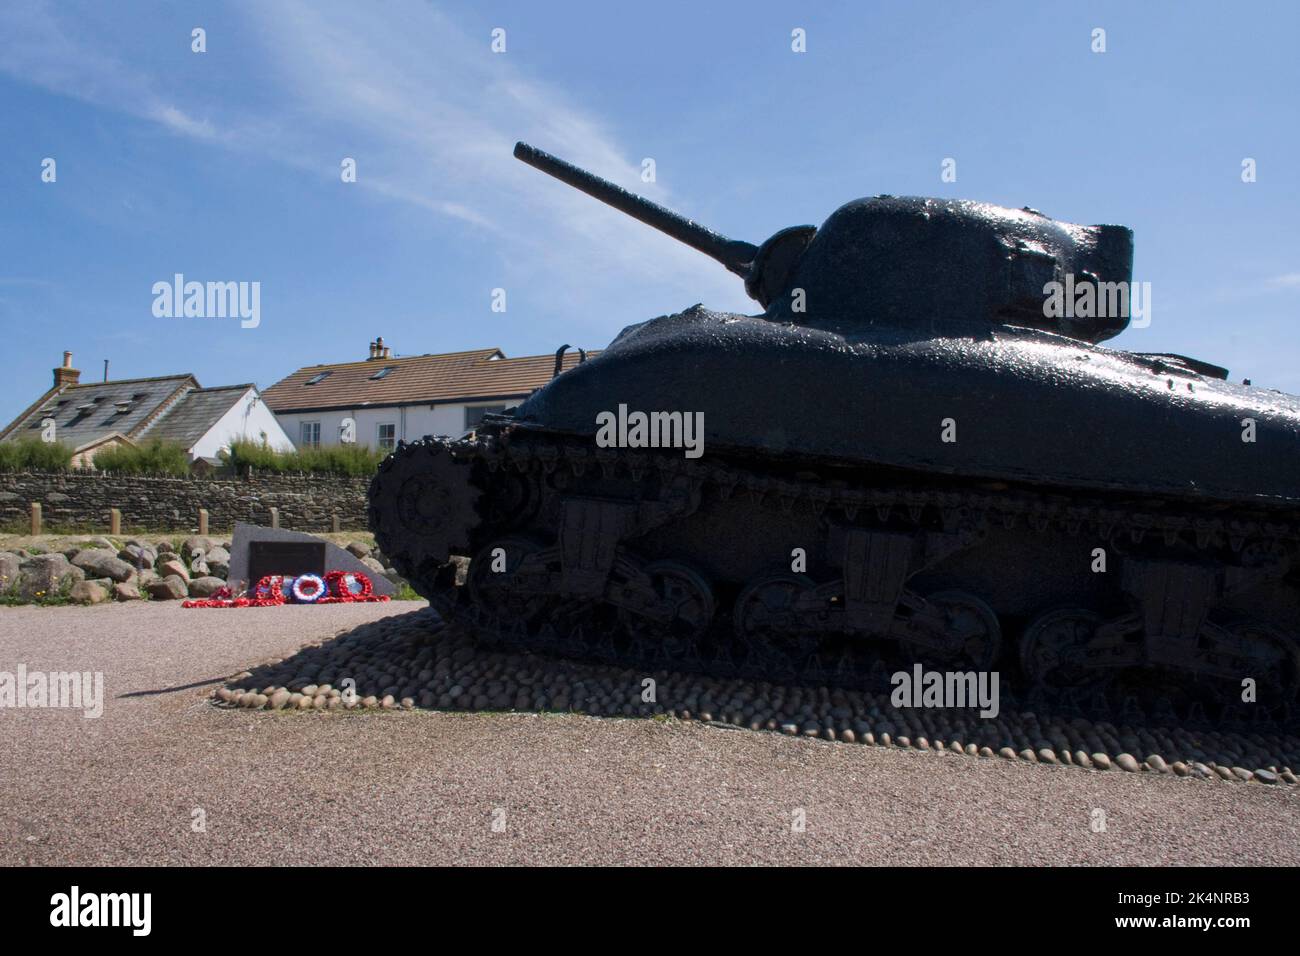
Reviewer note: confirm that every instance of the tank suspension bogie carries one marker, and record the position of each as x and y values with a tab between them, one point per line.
559	564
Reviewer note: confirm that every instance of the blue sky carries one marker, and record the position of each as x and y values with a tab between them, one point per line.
225	165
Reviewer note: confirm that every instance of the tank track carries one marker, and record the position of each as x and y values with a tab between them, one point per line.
572	584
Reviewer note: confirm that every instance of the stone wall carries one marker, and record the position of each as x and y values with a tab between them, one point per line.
82	501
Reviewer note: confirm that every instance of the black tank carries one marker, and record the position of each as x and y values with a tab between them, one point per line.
917	452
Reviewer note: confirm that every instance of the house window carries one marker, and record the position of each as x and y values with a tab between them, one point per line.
474	414
318	377
387	437
310	435
383	372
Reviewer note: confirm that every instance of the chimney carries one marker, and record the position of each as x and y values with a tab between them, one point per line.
378	350
372	351
66	374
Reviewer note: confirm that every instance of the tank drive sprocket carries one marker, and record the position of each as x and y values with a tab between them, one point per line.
424	506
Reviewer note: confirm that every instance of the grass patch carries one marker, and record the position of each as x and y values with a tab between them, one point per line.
405	592
156	457
357	460
11	598
32	454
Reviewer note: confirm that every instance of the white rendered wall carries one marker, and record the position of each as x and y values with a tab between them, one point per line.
248	418
412	421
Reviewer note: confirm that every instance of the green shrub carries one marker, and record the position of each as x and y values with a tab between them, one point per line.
329	460
32	454
156	457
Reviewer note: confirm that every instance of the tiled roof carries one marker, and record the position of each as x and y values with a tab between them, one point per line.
194	415
88	412
416	379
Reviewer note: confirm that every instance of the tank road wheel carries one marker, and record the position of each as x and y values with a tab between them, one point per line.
1277	671
768	605
968	632
685	605
1051	647
771	627
499	585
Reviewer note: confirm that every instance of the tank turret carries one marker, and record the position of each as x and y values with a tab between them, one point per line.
903	261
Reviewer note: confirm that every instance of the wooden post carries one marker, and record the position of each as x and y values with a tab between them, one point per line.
334	522
203	521
115	521
36	518
275	517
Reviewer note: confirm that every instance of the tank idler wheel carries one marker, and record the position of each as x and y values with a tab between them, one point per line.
685	596
498	584
970	636
1051	651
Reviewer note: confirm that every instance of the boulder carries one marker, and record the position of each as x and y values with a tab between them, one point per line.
358	549
205	586
146	578
171	588
138	555
88	592
126	592
45	576
102	563
174	567
197	543
103	544
9	565
374	566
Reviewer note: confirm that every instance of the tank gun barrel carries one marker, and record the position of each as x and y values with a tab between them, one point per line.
736	255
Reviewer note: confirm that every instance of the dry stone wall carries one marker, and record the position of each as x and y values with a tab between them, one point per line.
161	503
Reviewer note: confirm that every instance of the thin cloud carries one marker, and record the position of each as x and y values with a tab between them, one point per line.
431	116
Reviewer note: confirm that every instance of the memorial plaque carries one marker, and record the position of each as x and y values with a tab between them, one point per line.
250	543
290	558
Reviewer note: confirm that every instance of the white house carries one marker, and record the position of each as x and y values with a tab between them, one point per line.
93	416
387	399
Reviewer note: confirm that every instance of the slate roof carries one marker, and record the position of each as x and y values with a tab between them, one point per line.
195	414
91	411
414	380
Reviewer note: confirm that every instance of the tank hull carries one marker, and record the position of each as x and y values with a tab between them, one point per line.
1010	404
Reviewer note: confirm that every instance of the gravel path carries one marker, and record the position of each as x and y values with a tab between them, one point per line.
426	787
